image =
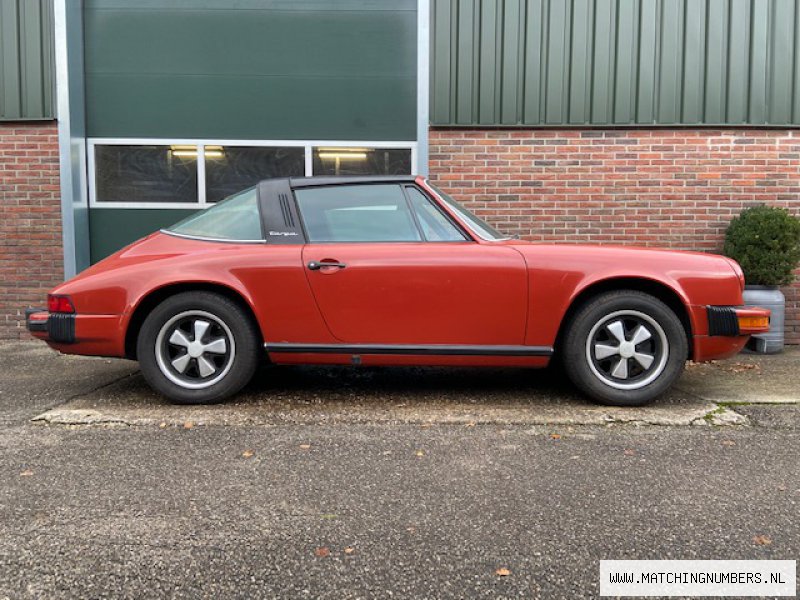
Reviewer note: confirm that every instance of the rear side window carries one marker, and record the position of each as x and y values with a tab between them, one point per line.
357	213
234	219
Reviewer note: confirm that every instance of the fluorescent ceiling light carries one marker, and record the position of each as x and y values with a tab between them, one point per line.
190	151
343	149
344	155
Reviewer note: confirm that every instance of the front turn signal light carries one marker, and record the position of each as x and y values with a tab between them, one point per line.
754	323
59	304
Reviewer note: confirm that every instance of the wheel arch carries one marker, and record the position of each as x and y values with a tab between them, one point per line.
658	289
150	300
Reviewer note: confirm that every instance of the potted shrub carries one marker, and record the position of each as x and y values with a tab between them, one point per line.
765	241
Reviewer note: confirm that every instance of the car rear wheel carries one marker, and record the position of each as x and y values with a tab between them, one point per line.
624	348
198	348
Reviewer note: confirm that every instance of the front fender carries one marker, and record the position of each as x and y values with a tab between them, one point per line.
559	276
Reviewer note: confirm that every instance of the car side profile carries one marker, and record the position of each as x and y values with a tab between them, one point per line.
391	271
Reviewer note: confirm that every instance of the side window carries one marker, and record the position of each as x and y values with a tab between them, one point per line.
435	225
234	219
357	213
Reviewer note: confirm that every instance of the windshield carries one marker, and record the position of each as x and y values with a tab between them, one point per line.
476	224
235	219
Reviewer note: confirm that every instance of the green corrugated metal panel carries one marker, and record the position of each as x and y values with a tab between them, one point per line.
615	62
253	69
26	60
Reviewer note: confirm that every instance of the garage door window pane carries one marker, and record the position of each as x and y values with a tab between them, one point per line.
362	161
357	213
230	169
145	174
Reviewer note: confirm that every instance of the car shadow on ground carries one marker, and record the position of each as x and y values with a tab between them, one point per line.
335	386
487	385
309	395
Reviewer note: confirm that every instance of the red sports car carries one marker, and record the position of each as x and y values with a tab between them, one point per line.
391	271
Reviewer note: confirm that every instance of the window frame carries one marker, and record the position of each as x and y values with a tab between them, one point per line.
457	210
307	145
458	227
403	186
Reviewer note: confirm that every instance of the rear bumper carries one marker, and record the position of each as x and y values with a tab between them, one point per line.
54	327
100	335
36	320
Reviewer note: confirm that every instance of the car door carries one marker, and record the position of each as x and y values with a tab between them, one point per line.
385	269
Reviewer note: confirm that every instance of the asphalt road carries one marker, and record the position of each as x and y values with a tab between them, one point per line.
342	508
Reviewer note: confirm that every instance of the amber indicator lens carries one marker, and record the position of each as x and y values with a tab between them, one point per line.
753	322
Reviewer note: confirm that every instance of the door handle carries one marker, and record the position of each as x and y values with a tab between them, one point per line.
316	266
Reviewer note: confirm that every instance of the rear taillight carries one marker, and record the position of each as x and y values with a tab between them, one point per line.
59	304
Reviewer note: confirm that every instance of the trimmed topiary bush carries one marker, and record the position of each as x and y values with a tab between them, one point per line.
765	241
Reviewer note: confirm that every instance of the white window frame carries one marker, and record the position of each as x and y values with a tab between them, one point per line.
307	145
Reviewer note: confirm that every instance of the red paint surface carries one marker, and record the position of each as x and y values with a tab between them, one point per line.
421	293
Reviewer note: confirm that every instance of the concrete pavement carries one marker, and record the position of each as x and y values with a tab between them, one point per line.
326	483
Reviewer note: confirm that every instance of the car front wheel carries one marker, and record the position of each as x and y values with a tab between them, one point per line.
198	348
625	348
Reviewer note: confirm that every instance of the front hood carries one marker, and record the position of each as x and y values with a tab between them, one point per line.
638	256
612	249
678	269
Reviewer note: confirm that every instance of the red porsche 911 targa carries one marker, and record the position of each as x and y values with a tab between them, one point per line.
391	271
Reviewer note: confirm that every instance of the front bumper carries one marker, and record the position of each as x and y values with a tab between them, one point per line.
722	331
737	321
55	327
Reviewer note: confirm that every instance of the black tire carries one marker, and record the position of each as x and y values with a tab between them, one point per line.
593	352
221	364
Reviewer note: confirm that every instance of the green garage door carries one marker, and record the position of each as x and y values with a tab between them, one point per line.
188	101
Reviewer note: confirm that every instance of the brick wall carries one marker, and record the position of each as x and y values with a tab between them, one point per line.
31	260
668	188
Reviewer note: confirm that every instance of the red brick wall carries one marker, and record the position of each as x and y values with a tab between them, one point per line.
669	188
31	260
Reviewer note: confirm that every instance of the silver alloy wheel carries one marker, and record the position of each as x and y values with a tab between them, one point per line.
627	349
195	349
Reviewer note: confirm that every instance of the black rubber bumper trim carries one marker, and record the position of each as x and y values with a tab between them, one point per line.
722	321
61	328
35	326
411	350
